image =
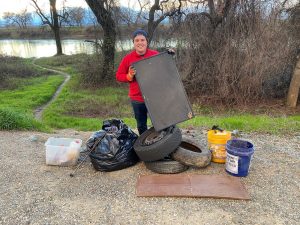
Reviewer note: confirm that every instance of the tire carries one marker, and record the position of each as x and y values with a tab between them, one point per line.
191	153
166	166
159	149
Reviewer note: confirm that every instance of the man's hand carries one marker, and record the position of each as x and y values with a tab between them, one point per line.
131	73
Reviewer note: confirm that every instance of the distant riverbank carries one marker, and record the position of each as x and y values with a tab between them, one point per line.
44	32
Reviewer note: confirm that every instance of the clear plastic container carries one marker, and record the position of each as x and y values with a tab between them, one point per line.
62	151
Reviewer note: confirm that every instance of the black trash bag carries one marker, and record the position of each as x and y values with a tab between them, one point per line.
113	146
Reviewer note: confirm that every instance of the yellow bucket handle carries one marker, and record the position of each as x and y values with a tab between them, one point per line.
217	128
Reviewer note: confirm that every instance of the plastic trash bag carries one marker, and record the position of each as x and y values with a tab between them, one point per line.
113	146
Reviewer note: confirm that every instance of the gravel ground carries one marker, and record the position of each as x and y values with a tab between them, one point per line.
34	193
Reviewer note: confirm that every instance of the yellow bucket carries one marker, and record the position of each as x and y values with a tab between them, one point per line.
217	144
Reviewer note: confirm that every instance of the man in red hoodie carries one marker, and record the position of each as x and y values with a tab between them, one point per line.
126	73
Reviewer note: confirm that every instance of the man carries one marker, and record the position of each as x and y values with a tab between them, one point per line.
126	73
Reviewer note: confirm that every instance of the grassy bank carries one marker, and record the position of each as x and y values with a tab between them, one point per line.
17	106
35	93
249	123
23	88
85	108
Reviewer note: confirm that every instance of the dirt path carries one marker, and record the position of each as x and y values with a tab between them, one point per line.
39	111
34	193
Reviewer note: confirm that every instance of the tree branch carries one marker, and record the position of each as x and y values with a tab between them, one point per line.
43	18
212	9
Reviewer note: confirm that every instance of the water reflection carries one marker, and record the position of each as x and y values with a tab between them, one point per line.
42	48
45	48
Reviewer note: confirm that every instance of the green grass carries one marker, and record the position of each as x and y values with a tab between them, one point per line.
14	120
17	106
249	123
74	105
34	93
85	109
69	63
112	102
14	71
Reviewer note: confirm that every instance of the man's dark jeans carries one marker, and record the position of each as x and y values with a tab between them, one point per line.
140	114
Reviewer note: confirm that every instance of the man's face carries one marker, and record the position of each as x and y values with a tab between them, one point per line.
140	44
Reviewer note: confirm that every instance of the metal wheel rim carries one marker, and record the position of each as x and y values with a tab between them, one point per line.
154	137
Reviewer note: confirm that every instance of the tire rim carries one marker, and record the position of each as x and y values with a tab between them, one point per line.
154	137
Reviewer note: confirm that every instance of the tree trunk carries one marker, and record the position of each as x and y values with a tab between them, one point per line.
151	29
55	28
108	50
294	86
151	21
104	17
57	41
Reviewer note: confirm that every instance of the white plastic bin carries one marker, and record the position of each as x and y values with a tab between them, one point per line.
62	151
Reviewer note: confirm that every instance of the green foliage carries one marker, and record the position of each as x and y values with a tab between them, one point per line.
85	109
249	123
88	67
13	69
16	106
34	93
14	120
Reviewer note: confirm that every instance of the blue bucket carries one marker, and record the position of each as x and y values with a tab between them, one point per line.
238	157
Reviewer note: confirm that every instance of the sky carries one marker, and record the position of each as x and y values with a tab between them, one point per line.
19	5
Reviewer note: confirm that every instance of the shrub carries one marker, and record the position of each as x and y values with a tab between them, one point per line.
14	67
12	120
63	60
243	59
90	72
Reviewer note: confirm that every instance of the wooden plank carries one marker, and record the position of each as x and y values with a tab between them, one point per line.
191	185
294	86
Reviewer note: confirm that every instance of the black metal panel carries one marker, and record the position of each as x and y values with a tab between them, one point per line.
163	91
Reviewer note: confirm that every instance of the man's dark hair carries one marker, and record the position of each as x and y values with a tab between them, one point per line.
140	32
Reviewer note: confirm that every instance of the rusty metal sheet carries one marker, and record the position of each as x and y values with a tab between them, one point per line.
163	91
191	185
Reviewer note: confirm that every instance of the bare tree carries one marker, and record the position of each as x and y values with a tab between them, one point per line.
103	10
123	15
63	14
76	16
132	17
237	52
22	19
53	20
158	10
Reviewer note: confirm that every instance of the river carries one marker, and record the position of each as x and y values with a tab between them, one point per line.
44	48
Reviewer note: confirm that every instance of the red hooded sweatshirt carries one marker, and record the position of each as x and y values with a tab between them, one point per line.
121	75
